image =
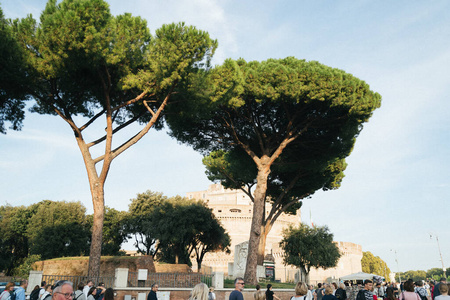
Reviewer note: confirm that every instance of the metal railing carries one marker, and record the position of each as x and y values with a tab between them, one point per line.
107	280
169	280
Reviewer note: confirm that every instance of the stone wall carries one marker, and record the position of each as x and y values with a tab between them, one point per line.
78	266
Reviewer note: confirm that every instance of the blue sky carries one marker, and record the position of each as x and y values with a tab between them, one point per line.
395	193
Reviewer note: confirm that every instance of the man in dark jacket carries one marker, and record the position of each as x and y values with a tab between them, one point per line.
152	295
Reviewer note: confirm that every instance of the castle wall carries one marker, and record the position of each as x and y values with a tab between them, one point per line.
234	209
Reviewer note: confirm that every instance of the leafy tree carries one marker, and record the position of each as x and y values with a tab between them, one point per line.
306	248
435	273
12	78
301	117
187	228
374	265
13	237
139	221
414	275
64	223
23	270
85	63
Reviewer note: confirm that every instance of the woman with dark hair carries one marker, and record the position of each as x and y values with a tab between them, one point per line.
109	294
92	292
409	293
270	294
390	294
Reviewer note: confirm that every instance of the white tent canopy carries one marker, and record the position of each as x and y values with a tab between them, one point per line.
359	276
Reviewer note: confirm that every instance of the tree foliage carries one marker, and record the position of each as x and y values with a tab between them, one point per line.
306	248
296	121
374	265
13	79
85	64
139	221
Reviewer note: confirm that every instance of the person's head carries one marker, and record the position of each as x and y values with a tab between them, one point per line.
101	284
342	286
90	283
269	287
260	295
211	289
239	284
92	291
319	285
155	287
419	283
408	285
368	284
328	289
443	288
443	279
199	292
258	287
36	287
24	283
48	288
43	283
301	289
10	286
109	294
335	285
63	290
80	286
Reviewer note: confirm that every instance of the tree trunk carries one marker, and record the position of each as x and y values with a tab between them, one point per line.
262	243
98	202
306	272
257	222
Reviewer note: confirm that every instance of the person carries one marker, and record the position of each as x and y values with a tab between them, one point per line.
63	290
9	288
270	294
389	295
301	290
199	292
42	289
35	293
260	295
87	287
309	294
379	291
340	292
20	292
211	294
109	294
92	293
436	291
366	292
100	291
329	293
152	295
319	292
443	292
421	291
408	293
258	288
335	287
79	295
47	295
238	288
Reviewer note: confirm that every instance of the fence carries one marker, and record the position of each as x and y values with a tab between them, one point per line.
169	280
51	279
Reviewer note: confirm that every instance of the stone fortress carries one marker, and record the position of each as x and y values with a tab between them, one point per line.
234	210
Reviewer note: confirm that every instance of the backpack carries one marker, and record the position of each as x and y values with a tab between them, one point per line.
420	296
339	293
12	295
35	294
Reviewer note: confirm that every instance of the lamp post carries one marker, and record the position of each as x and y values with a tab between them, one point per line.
440	254
398	269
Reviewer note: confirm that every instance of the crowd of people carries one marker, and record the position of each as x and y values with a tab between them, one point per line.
407	290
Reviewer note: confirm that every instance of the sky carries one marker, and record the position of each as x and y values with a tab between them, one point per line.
394	196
